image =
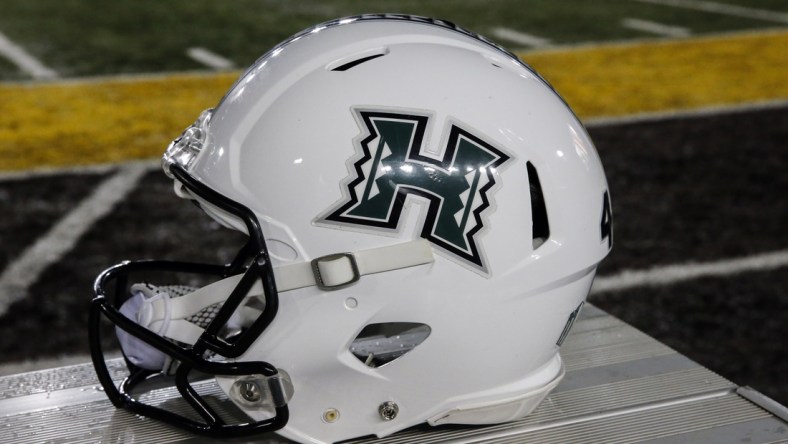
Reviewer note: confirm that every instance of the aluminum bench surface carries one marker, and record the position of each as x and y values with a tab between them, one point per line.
621	386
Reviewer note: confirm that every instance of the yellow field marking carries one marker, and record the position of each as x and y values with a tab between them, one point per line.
111	120
619	80
80	123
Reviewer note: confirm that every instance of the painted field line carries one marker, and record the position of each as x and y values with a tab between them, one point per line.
520	38
61	238
26	62
11	176
597	122
671	274
618	80
209	58
724	9
655	28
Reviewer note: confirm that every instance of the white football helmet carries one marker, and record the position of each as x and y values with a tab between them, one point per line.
425	216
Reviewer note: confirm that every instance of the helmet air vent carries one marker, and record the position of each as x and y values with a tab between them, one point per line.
379	344
356	59
540	226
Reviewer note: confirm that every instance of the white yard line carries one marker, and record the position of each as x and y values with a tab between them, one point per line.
724	9
10	176
199	73
655	28
596	122
671	274
61	238
520	38
635	42
26	62
209	59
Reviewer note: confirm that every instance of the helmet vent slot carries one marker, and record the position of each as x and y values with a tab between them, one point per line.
540	227
379	344
353	61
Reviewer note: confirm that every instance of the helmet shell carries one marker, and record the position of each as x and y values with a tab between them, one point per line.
286	142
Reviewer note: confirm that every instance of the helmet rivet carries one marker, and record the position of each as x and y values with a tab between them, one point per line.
331	415
250	391
388	410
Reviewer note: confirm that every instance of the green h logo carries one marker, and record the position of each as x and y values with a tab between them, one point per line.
390	166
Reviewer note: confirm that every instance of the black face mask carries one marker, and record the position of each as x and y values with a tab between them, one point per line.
204	358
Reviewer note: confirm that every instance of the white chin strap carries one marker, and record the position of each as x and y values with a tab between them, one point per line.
181	313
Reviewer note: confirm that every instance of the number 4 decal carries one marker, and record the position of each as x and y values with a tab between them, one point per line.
606	227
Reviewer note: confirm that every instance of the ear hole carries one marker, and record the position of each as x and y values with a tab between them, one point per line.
540	226
379	344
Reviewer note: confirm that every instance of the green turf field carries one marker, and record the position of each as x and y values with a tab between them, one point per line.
95	37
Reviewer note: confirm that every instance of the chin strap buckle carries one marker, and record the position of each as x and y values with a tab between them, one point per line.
338	270
335	271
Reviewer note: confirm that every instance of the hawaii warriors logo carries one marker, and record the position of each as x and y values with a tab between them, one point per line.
390	167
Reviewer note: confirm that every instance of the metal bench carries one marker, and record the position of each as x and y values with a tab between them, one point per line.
621	386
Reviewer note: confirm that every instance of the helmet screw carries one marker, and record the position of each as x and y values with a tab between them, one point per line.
250	391
388	410
331	415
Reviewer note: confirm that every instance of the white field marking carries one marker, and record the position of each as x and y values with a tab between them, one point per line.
671	274
61	237
655	28
597	122
11	176
520	38
26	62
630	43
209	59
724	9
120	78
200	73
